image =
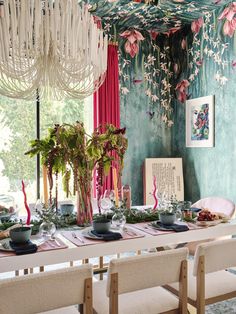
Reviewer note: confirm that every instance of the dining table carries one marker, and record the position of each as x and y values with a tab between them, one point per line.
136	237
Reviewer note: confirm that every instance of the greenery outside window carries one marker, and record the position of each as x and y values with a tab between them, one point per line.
18	123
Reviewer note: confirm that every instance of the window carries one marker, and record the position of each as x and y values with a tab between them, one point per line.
18	123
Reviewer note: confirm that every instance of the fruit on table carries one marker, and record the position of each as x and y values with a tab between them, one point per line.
206	215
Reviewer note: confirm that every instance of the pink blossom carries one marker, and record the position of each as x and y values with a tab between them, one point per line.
196	25
176	68
153	35
132	43
233	64
181	89
131	49
228	12
230	23
183	44
199	62
132	36
229	27
172	31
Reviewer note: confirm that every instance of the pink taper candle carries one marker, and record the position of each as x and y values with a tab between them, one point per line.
115	187
45	186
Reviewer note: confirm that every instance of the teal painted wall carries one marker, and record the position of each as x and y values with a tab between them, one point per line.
147	138
211	171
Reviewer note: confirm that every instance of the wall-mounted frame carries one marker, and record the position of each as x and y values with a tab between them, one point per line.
200	122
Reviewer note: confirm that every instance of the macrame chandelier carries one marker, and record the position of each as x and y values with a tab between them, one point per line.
53	46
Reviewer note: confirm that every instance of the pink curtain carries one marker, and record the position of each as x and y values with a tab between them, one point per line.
107	100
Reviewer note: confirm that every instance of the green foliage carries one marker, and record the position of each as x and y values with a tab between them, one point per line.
67	146
132	215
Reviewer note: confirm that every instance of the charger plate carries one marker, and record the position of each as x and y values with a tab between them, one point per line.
5	243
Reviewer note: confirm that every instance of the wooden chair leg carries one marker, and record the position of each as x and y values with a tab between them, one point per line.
88	298
201	286
85	261
26	271
41	269
100	267
183	293
113	297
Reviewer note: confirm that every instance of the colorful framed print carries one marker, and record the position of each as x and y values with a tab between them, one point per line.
200	122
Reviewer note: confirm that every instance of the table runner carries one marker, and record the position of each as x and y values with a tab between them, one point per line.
49	245
128	233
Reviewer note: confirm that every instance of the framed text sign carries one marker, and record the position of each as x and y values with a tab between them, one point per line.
168	174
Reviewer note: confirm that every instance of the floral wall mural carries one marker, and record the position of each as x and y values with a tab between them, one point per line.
165	48
209	171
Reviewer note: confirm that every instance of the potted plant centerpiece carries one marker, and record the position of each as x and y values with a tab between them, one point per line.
168	212
70	151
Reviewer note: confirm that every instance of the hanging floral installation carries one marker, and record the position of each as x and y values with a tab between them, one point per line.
159	41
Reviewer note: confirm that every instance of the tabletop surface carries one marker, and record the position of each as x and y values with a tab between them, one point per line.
73	253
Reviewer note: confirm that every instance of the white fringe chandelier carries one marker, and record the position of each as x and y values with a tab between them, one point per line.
53	46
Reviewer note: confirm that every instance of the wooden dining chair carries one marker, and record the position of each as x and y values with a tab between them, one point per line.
134	284
48	291
209	281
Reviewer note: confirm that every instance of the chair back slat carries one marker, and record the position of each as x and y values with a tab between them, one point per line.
218	255
44	291
146	271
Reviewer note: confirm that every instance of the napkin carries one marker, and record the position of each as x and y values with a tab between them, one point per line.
108	236
24	248
174	227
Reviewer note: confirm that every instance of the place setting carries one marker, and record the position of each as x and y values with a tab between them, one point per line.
19	241
102	229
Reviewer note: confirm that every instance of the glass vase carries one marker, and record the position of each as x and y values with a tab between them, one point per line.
118	219
47	229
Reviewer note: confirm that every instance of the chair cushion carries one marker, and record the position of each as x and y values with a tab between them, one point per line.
152	300
217	283
64	310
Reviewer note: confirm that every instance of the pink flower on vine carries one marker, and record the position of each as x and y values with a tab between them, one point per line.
230	23
197	25
132	43
153	35
172	30
183	44
181	89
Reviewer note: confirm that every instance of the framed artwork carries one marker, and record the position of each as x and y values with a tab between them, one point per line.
169	178
200	122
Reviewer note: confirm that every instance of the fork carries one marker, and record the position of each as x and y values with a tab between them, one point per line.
150	228
129	232
76	237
